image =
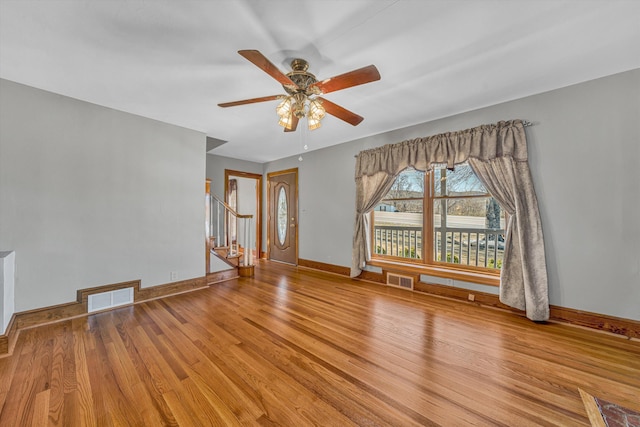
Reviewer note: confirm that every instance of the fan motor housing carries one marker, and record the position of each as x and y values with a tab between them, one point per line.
300	76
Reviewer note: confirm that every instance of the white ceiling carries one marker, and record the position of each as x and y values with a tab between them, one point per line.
174	61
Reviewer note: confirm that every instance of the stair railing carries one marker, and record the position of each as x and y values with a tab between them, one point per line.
224	228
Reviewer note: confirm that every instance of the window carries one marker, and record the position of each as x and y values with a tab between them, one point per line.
455	223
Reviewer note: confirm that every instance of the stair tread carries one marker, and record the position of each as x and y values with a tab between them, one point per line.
232	260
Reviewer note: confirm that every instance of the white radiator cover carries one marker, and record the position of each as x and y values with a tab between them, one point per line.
110	299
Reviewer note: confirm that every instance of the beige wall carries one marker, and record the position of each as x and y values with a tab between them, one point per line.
91	196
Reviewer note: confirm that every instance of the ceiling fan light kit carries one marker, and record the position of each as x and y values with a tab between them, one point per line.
300	106
304	90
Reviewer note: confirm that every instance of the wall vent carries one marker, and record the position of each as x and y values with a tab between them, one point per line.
110	299
399	281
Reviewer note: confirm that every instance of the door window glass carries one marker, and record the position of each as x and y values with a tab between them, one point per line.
283	214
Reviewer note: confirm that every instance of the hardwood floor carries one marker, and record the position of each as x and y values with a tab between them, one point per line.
296	347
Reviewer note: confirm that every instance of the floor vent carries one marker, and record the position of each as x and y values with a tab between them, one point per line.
110	299
399	281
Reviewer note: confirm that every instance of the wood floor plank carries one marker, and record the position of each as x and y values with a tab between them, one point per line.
79	404
62	372
297	347
41	408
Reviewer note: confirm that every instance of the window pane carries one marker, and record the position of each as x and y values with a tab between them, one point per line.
398	223
469	231
398	229
459	182
408	184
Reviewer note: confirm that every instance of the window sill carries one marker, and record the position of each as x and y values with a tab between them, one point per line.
480	278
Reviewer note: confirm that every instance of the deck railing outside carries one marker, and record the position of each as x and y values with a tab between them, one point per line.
480	247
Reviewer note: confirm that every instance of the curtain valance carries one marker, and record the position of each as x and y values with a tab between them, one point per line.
486	142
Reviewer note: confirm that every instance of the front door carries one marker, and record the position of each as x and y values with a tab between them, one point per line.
283	216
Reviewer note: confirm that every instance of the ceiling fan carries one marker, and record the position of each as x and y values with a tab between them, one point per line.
303	92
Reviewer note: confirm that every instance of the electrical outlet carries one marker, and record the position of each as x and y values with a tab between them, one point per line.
173	275
472	297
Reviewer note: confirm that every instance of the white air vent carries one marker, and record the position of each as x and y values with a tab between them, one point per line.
399	281
110	299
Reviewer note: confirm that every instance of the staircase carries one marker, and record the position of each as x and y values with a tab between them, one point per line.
224	227
227	254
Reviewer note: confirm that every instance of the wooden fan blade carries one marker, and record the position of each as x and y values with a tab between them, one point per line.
340	112
251	101
265	65
353	78
294	124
